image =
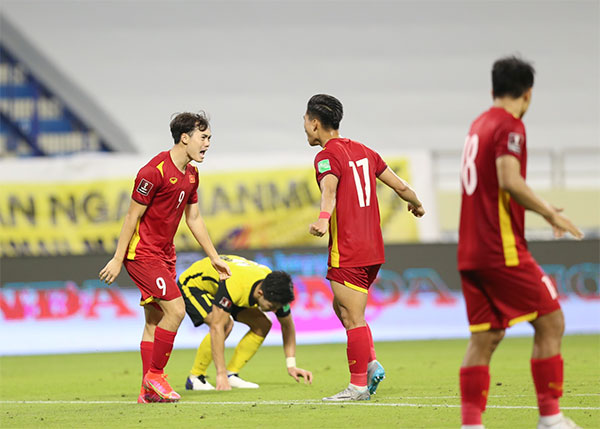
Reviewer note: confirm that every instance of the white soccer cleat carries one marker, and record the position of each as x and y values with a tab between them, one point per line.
236	381
198	382
557	422
350	393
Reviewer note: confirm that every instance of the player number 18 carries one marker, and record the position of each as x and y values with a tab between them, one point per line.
468	171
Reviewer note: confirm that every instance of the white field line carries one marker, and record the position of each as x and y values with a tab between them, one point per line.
295	402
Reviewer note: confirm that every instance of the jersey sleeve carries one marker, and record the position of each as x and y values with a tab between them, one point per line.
283	311
379	165
509	139
223	299
147	182
326	163
193	177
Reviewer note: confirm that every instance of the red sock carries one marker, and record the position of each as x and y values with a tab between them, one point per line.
474	386
146	352
358	355
372	355
548	379
163	344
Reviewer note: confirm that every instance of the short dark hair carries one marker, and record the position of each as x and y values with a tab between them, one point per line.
327	109
278	288
185	123
511	76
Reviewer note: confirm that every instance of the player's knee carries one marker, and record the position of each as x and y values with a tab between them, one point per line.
263	327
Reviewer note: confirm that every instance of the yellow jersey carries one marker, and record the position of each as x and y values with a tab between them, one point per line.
245	276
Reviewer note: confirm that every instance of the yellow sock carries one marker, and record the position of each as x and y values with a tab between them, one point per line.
246	348
203	357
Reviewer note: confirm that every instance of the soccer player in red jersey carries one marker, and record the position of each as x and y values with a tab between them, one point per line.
164	189
346	172
501	282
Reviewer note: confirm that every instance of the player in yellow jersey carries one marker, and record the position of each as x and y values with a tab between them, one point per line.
251	290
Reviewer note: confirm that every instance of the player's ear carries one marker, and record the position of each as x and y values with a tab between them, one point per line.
315	124
184	138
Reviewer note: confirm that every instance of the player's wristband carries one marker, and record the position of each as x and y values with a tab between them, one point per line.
290	362
324	215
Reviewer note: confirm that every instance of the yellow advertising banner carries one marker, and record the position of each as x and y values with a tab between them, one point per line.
242	210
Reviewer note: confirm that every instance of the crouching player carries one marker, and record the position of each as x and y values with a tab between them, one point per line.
251	289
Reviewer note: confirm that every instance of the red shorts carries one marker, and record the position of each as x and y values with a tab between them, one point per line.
498	298
357	278
155	278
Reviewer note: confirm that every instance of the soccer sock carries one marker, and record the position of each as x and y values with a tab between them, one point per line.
358	351
474	386
146	348
246	348
163	344
548	379
203	357
372	355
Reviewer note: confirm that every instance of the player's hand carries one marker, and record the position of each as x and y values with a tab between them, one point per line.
561	224
223	382
222	268
320	227
299	372
110	271
416	211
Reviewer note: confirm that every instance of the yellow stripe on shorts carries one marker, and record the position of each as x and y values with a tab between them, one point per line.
525	318
351	286
194	301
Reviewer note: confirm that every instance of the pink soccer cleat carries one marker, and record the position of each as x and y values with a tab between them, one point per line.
158	384
149	396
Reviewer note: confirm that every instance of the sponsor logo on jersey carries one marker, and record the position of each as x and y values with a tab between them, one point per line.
323	166
514	142
192	179
225	302
173	180
144	187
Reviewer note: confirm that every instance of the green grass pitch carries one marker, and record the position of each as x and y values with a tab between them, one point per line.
420	390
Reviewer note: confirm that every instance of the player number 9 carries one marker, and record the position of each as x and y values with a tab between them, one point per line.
162	285
181	197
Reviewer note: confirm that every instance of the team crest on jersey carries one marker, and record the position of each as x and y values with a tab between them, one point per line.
192	179
173	180
225	302
323	166
144	187
515	140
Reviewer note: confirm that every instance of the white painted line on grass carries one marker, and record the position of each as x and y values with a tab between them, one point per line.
299	402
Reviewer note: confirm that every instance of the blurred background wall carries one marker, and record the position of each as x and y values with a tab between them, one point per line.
87	90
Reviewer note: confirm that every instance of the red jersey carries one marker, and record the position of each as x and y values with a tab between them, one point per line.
165	190
492	225
355	238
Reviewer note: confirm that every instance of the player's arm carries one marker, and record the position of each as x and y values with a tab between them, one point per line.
218	320
328	187
288	333
508	170
112	269
196	224
403	190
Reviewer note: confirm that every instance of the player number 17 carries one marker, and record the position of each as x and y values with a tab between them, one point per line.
364	198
